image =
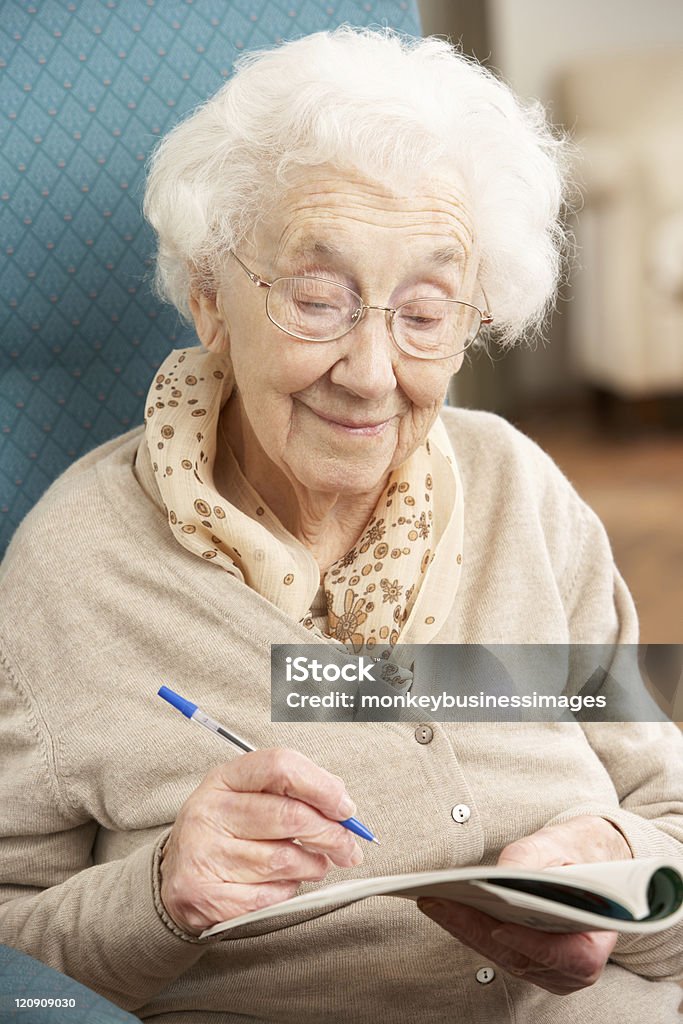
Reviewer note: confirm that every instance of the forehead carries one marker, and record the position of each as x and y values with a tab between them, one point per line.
325	214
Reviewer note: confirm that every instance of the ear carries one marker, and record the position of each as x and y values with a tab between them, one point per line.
211	328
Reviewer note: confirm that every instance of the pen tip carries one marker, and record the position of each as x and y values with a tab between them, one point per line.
376	840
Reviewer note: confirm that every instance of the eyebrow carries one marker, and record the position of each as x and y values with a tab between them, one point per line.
308	248
447	254
441	257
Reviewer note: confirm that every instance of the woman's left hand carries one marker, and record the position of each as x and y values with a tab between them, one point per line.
558	963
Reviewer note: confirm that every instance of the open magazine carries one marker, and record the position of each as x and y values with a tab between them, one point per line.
626	895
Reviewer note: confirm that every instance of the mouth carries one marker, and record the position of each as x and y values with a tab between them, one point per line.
354	428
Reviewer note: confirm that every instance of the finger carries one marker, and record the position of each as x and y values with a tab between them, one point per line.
543	849
200	907
580	955
580	840
558	963
247	862
265	816
287	773
474	930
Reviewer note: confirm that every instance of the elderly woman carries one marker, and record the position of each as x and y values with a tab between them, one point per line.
338	221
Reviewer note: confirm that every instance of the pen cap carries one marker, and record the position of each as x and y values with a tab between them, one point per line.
186	706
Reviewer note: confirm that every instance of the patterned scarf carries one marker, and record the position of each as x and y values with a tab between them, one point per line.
398	581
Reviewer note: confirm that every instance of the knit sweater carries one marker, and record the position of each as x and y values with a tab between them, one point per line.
100	605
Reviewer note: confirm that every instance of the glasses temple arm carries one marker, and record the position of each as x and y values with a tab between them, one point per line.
254	278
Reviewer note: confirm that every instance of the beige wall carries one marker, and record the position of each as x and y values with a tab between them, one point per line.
464	19
528	42
531	42
532	39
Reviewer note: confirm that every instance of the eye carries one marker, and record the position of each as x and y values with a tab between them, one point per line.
315	306
318	298
421	321
422	316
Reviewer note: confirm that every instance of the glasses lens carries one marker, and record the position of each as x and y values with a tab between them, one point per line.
311	308
435	328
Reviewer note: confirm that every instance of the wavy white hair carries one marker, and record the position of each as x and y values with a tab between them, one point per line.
395	109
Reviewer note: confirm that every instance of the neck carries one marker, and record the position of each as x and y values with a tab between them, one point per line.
327	523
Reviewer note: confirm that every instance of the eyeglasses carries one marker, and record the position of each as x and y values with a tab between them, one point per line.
318	310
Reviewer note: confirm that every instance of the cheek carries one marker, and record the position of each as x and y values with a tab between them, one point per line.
425	385
299	367
425	388
271	365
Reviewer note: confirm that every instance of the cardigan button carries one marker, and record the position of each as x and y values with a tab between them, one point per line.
485	975
460	813
424	734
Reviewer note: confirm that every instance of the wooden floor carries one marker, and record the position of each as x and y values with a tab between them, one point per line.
635	484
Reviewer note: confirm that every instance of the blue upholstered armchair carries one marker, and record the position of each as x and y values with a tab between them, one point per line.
87	89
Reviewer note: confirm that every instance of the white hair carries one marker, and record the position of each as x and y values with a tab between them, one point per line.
394	108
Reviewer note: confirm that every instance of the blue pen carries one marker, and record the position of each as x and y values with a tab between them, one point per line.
195	714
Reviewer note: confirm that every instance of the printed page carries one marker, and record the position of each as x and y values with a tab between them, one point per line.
625	882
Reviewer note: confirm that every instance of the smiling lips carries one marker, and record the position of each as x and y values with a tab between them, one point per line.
349	427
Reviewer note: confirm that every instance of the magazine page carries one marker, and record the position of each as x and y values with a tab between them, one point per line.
618	889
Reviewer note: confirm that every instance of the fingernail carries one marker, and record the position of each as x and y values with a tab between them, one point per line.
503	936
356	855
347	808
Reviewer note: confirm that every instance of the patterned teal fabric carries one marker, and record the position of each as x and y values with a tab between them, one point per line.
87	87
22	977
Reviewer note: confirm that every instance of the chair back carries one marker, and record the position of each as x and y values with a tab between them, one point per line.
87	89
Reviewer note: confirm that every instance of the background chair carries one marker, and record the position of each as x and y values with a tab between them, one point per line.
626	318
22	977
87	89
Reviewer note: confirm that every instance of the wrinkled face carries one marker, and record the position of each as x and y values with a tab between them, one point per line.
337	416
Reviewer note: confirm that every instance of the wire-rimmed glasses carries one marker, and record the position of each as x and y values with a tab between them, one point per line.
318	310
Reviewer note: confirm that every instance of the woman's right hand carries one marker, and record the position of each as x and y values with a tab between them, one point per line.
230	850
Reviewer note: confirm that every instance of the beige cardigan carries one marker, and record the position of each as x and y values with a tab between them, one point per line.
100	605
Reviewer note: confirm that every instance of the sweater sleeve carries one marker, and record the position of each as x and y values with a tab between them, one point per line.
643	759
103	925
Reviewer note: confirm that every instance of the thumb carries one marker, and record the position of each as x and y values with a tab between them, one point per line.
542	849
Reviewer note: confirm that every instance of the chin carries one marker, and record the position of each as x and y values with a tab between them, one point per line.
345	478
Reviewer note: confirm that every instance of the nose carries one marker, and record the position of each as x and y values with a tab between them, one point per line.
367	366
